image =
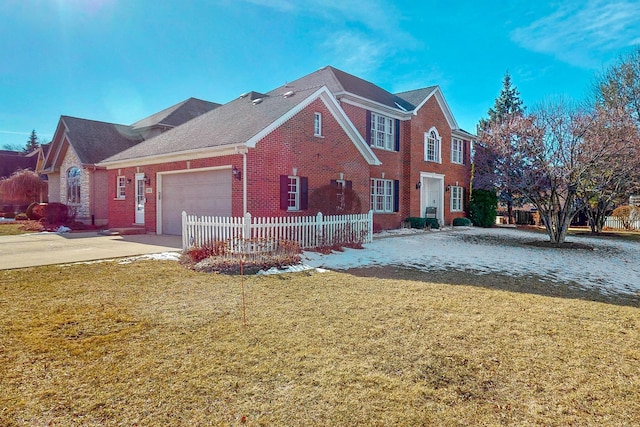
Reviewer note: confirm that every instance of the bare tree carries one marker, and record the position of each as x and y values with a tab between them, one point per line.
542	161
611	147
619	86
23	186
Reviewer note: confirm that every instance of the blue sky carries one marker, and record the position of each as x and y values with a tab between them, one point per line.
122	60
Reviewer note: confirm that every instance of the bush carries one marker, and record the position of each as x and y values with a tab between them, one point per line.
626	214
461	222
57	213
22	217
36	211
482	208
218	256
432	223
417	222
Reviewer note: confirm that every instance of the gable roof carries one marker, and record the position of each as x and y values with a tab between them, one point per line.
177	114
237	124
91	140
12	161
342	84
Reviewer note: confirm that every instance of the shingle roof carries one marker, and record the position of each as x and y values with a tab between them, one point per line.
94	141
415	97
177	114
241	119
338	82
230	124
11	161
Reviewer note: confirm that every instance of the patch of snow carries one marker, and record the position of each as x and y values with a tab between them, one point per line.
290	269
163	256
612	267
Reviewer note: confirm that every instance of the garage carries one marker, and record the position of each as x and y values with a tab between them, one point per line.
205	192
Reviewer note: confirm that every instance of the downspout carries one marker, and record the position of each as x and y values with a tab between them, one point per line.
244	183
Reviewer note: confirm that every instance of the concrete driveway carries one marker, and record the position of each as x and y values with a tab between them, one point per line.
29	250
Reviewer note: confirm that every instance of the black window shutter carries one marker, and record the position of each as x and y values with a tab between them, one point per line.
368	129
348	184
304	192
397	134
464	152
284	192
396	196
334	183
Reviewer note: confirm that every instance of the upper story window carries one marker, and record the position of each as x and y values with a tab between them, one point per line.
432	146
121	183
456	199
457	150
317	124
382	132
74	184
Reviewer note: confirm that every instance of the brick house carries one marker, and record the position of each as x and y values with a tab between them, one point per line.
78	145
268	153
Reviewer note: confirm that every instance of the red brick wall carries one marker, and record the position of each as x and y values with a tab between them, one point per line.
430	115
320	159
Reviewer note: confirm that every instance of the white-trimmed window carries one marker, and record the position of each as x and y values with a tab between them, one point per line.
456	151
381	195
317	124
456	199
74	183
121	183
382	132
293	193
432	146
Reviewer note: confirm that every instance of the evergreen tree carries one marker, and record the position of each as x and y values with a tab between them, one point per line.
507	106
508	103
32	143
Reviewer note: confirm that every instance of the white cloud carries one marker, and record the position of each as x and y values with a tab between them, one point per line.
369	31
355	51
583	35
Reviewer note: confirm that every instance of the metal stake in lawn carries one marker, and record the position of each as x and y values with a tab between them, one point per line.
244	304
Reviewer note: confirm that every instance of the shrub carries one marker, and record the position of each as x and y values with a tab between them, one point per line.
432	223
482	208
219	256
36	211
461	222
57	213
626	214
22	217
416	222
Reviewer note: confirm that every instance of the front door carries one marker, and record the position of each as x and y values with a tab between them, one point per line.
140	198
431	195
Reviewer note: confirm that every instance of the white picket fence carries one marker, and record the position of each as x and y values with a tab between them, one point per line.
248	234
617	224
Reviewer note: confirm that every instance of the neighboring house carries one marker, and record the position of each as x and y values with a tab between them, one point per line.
13	161
78	145
266	154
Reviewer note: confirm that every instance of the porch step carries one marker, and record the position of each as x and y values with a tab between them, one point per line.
123	231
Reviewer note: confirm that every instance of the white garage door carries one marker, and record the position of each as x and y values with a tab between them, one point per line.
197	193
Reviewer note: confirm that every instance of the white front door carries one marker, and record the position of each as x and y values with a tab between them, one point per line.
140	198
431	194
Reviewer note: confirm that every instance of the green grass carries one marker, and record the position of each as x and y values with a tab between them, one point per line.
151	343
11	229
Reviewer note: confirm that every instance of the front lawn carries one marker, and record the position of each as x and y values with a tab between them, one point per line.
151	343
13	228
